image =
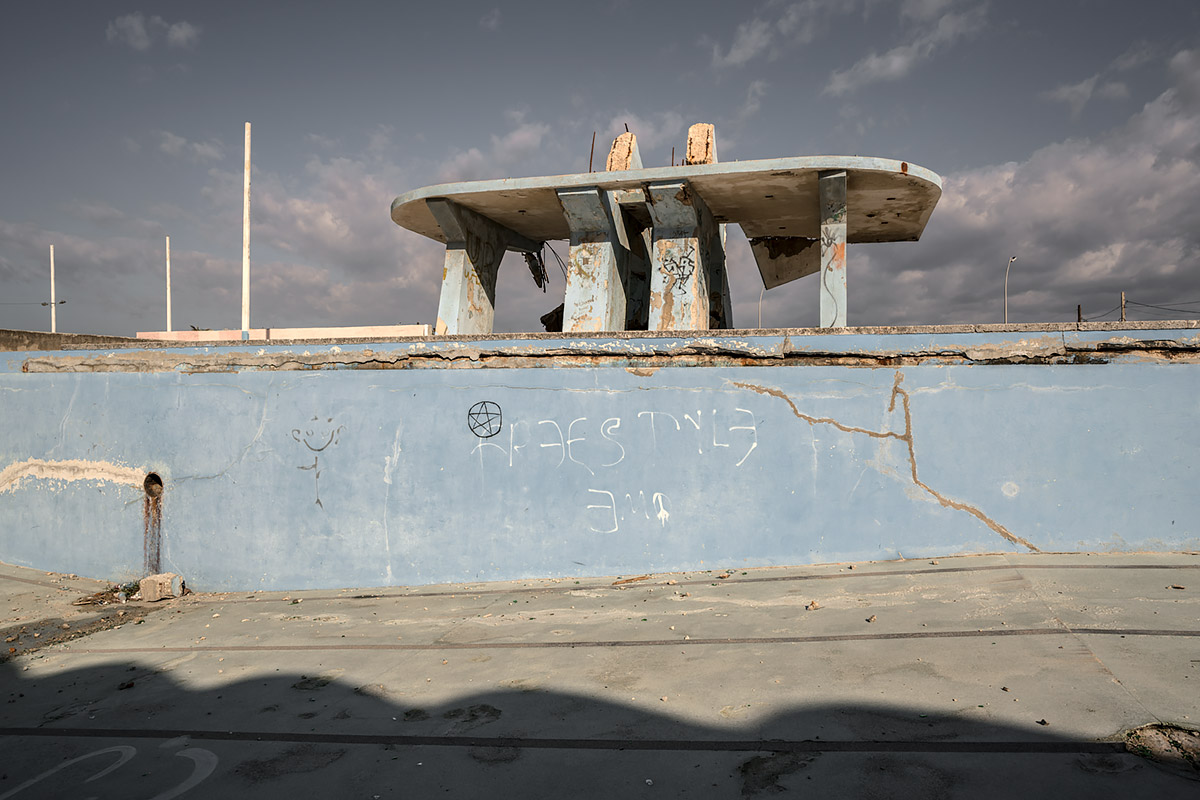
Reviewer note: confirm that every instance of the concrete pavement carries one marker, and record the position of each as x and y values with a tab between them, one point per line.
981	676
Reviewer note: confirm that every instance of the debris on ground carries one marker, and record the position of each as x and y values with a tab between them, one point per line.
163	586
871	618
813	606
1168	745
114	594
631	580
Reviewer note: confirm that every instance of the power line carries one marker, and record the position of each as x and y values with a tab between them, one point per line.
1165	308
1181	303
1105	314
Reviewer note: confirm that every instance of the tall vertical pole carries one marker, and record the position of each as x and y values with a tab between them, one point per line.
1006	269
53	300
1122	306
246	240
168	284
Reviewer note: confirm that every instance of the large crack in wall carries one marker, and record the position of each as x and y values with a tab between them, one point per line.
907	438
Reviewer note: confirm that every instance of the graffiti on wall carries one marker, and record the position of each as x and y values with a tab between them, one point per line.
599	449
318	437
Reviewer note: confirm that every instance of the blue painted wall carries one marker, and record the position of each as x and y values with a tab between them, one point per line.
600	470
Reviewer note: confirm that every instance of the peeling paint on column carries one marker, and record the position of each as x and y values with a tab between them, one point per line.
832	200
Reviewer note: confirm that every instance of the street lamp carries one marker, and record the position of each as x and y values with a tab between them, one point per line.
1006	269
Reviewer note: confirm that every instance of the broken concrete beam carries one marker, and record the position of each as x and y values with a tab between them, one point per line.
782	259
624	154
163	586
701	144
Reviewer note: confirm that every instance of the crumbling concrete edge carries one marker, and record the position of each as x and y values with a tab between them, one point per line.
701	352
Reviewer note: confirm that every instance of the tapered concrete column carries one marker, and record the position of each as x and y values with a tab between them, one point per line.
831	190
599	264
624	155
475	245
688	287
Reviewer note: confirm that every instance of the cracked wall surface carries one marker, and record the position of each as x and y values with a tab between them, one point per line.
421	462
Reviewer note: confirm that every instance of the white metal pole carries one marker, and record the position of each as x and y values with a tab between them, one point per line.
246	239
168	284
53	299
1006	269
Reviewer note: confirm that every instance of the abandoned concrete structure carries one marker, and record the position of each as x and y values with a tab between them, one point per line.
647	246
470	455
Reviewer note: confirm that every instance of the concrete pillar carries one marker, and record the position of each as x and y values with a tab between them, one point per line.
475	245
623	154
599	265
701	144
631	203
687	260
831	191
701	148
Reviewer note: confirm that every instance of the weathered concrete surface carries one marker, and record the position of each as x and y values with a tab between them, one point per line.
286	466
13	341
623	154
769	197
44	608
600	261
475	245
776	201
718	684
833	209
161	586
701	144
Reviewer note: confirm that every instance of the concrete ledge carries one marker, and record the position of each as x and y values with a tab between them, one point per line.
18	341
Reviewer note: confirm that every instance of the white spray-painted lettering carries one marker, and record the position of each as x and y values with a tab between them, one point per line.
752	427
605	429
558	444
204	761
660	502
571	441
611	443
613	516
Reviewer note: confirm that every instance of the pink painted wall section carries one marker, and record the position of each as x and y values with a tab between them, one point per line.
268	334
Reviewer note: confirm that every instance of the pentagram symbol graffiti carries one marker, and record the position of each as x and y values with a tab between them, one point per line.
484	419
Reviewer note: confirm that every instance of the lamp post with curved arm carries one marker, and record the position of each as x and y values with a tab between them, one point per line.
1006	269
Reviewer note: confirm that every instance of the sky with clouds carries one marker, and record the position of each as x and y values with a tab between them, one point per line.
1067	134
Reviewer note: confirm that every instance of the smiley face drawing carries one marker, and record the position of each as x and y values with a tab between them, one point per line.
318	437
